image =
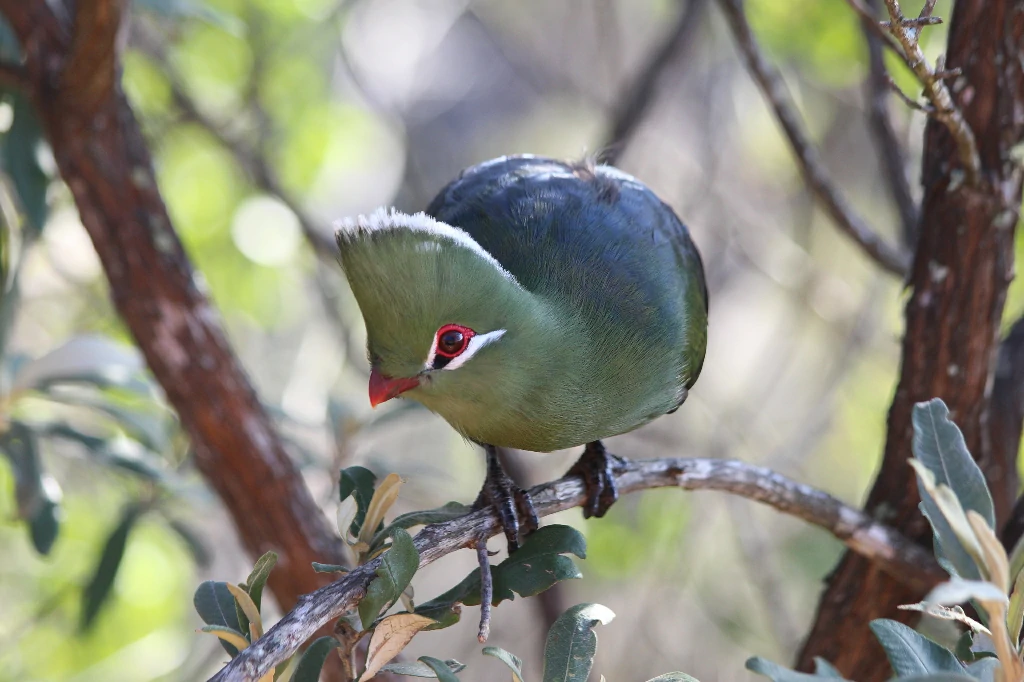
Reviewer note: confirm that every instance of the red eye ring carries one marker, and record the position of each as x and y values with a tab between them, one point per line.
451	340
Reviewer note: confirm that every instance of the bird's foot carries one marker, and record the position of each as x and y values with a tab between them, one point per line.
512	503
596	466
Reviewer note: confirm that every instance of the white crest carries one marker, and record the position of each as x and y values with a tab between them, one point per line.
385	219
476	342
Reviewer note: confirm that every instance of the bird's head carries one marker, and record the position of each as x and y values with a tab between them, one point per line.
440	311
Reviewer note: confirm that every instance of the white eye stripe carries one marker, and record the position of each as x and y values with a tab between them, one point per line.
476	342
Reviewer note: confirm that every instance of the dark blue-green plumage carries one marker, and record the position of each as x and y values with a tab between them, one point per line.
594	236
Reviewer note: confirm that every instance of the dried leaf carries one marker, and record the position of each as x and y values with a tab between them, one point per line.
389	637
383	498
996	562
946	613
232	637
248	608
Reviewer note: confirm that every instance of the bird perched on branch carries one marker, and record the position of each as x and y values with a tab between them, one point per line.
536	305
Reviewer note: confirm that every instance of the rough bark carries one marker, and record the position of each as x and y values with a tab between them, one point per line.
962	267
72	75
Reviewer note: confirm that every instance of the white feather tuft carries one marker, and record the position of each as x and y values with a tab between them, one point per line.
388	219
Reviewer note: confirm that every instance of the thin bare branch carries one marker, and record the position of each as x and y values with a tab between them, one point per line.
917	22
880	124
813	170
486	590
907	99
935	87
890	551
639	94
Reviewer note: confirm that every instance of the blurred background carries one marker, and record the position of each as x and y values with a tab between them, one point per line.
269	119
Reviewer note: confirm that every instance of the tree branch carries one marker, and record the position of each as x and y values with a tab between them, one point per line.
963	265
907	31
813	170
101	155
880	124
890	551
639	94
90	67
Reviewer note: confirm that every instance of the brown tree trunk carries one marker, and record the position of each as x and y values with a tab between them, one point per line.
71	72
962	267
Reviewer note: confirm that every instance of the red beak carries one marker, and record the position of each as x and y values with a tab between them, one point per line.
383	389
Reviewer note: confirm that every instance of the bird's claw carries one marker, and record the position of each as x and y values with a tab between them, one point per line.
596	466
513	504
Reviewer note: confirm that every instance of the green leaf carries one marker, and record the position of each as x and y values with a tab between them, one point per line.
440	668
537	565
449	511
358	482
216	606
910	653
253	586
329	568
99	588
940	446
44	526
963	646
397	567
514	663
258	577
38	495
572	643
421	669
19	159
312	661
950	553
777	673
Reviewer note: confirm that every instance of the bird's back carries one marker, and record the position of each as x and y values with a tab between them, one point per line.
611	252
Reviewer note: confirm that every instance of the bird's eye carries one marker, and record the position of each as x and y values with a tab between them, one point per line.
452	340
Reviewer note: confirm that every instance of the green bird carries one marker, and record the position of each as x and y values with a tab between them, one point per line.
536	305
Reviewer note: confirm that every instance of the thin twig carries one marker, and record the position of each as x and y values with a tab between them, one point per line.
639	94
486	590
907	99
890	551
817	178
946	111
880	124
916	22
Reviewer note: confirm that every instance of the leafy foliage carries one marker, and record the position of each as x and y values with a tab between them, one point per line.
958	505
